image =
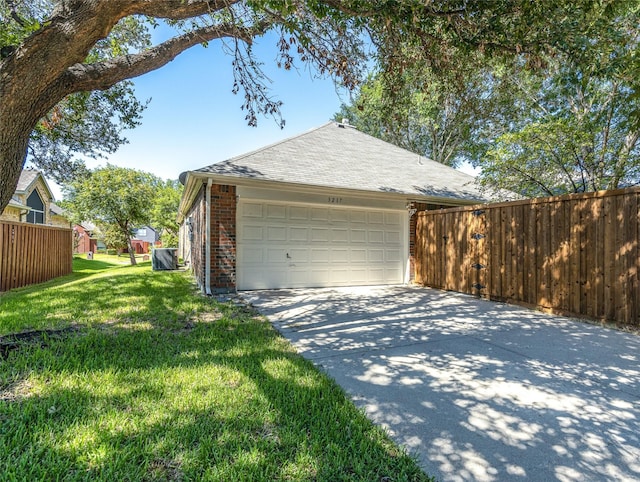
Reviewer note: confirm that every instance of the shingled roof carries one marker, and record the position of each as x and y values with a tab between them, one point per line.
27	178
339	156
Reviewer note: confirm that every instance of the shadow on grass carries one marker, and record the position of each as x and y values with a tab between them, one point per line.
81	265
220	400
124	292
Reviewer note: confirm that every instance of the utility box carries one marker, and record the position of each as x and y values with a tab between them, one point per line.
164	259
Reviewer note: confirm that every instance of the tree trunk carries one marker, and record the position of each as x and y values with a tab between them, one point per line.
132	253
48	65
13	150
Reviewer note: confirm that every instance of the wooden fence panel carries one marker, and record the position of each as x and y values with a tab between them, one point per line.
32	254
576	254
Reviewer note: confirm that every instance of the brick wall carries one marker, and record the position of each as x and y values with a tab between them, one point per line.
223	238
83	240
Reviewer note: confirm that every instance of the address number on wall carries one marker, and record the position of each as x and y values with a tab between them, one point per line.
334	200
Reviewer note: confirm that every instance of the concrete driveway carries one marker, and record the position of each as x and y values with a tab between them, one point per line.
476	390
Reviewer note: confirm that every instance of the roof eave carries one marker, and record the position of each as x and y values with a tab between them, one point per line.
193	177
29	187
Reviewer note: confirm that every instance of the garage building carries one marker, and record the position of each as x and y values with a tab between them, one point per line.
330	207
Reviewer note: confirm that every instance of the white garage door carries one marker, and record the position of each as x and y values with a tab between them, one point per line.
296	246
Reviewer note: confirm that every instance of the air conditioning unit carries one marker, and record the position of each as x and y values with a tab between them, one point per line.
164	259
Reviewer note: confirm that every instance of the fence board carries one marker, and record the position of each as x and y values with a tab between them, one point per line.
32	254
575	254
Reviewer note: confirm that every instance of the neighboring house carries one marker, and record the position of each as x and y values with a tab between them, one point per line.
330	207
88	238
144	239
33	203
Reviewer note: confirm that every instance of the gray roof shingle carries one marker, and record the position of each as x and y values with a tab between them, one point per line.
27	176
339	156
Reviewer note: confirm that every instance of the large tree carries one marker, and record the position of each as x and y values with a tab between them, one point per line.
56	57
84	124
577	128
447	118
571	124
117	199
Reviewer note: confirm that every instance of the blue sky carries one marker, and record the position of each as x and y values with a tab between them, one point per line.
194	119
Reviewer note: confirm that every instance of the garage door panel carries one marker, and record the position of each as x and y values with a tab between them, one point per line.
274	277
299	255
276	233
254	255
376	237
392	255
319	255
276	211
358	217
376	255
339	235
358	235
392	237
298	213
298	277
392	273
339	255
320	235
377	275
375	218
282	245
298	234
358	256
340	276
359	275
252	210
252	233
276	255
392	219
339	216
256	280
320	277
319	214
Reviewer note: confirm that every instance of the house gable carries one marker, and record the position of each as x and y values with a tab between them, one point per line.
331	207
32	202
337	156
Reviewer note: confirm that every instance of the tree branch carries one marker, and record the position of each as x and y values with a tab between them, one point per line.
177	9
14	13
103	75
344	7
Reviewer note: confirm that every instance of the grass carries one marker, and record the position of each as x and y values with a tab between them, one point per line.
129	374
116	258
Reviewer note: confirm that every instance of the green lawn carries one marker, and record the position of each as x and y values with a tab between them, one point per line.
129	374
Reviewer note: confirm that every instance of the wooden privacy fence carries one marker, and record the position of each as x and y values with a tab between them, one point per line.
575	254
32	254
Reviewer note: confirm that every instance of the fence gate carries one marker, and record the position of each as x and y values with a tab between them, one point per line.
451	251
478	252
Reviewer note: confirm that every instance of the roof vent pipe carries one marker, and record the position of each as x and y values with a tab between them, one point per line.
345	121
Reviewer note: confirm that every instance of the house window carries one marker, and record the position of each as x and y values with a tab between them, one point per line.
141	232
36	215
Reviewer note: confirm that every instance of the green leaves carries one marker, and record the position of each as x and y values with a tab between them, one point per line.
164	211
115	198
574	131
88	124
